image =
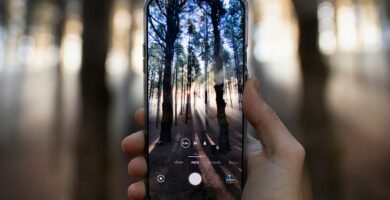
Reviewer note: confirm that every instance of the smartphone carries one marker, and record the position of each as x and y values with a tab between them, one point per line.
195	70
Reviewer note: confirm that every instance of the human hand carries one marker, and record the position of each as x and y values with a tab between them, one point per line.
274	167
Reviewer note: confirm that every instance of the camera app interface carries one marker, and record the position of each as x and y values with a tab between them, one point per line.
195	77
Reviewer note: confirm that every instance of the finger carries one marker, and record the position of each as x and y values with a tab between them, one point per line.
134	144
140	117
272	133
137	190
137	167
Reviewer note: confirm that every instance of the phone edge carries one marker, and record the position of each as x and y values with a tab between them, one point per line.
146	104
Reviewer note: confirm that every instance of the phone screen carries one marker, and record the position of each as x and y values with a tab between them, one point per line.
196	68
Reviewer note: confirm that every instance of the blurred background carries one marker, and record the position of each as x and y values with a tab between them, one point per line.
71	76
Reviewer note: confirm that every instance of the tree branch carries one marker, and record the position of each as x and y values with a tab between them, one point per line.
160	7
161	23
158	41
155	30
182	4
156	20
201	7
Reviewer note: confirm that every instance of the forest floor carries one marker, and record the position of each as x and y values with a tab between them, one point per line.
176	162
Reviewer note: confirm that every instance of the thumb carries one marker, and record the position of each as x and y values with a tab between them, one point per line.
270	130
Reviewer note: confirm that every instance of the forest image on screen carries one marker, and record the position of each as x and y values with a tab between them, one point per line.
195	77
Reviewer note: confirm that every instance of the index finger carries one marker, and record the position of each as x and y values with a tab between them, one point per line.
273	134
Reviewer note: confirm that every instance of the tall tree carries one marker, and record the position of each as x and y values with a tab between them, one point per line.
205	55
216	12
151	84
182	91
192	68
179	66
322	157
235	33
92	146
386	25
176	85
31	5
164	20
3	13
228	66
159	84
156	63
59	25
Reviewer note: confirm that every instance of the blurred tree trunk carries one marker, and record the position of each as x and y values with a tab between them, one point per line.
3	13
134	6
131	78
386	24
58	128
59	25
387	8
322	160
30	6
92	148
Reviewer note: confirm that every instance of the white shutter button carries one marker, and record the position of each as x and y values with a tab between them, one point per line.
195	179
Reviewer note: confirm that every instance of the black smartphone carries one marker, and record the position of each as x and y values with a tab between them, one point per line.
195	66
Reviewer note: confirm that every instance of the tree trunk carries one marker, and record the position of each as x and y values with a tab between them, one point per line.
3	13
217	12
238	71
206	66
230	92
176	96
189	81
182	91
92	147
59	26
151	86
386	24
190	63
159	84
172	16
166	120
322	158
29	16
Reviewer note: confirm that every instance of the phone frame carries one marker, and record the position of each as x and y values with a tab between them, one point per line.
146	86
